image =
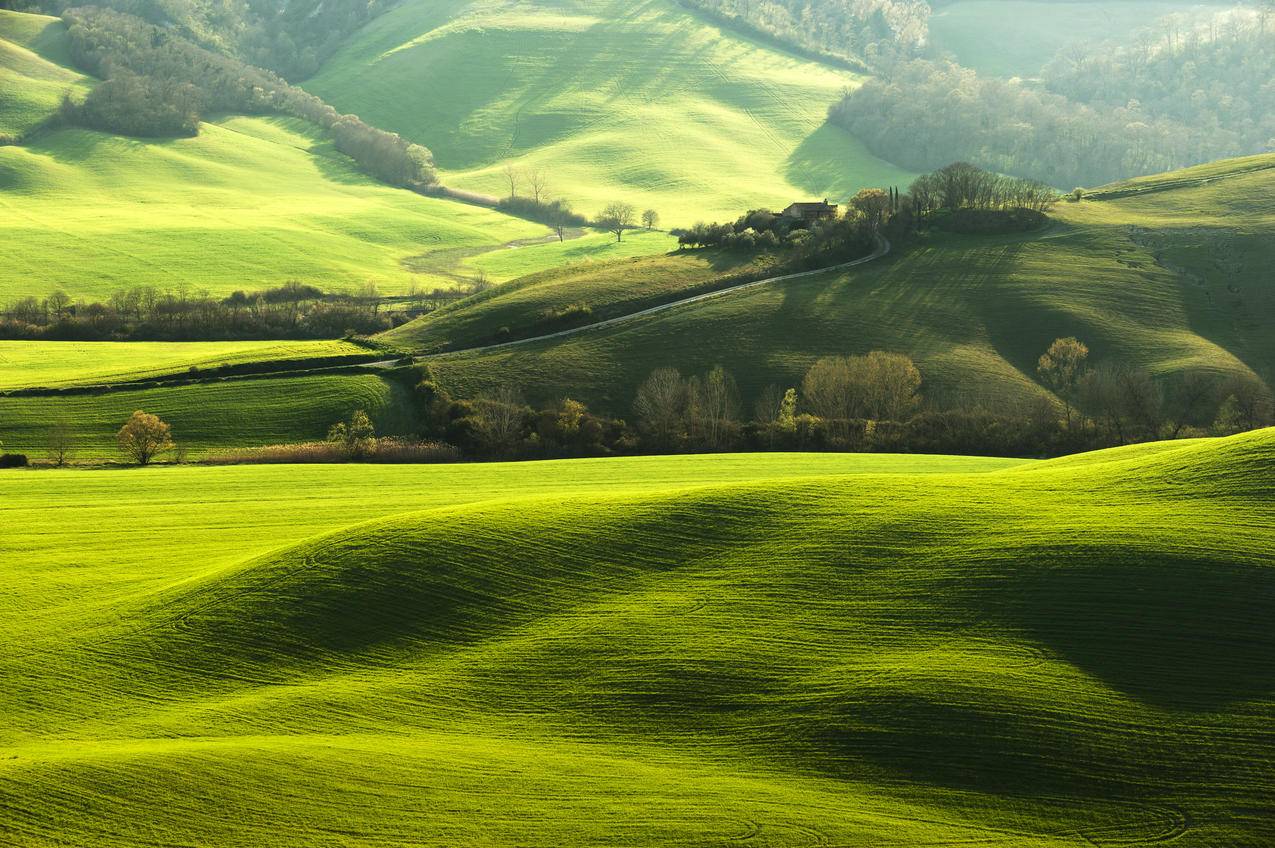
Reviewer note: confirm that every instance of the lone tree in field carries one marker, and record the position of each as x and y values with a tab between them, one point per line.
144	437
617	218
60	443
356	437
561	218
1061	368
512	177
650	219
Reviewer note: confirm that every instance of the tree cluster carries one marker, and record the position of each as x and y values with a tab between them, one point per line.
145	313
128	104
807	242
1194	94
866	30
292	39
138	59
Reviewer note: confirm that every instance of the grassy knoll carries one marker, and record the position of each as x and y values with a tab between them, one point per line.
1018	39
551	300
33	70
793	650
232	413
638	101
25	364
1172	280
250	203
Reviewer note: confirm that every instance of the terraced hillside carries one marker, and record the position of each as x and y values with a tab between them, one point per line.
35	71
664	652
1175	279
637	101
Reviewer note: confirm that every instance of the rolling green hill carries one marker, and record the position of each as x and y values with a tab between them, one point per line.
245	412
794	652
638	101
248	204
552	300
1174	280
30	364
34	71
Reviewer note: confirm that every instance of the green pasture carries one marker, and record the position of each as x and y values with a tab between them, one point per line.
239	412
641	102
248	204
532	305
789	650
1173	280
34	76
24	364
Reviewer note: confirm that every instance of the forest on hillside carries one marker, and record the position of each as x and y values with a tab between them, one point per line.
291	38
1195	92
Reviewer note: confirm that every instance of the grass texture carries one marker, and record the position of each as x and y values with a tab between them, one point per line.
34	72
1173	280
24	364
526	307
641	102
250	203
245	412
784	650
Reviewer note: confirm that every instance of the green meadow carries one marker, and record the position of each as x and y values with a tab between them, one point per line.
786	650
248	204
535	304
29	364
1173	280
239	412
642	102
34	72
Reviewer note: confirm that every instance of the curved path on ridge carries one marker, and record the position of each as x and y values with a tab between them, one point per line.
883	248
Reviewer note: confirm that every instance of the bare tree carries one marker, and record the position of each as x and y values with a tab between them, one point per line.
650	219
616	218
502	417
716	407
660	404
513	178
538	184
61	441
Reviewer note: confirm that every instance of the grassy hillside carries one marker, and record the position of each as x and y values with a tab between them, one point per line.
233	413
1172	280
34	72
552	300
250	203
853	658
1018	39
26	364
638	101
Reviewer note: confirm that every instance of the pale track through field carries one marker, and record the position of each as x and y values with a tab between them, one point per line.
882	249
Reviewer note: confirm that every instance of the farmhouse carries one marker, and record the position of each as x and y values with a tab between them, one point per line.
811	211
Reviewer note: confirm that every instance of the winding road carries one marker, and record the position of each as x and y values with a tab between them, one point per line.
883	247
